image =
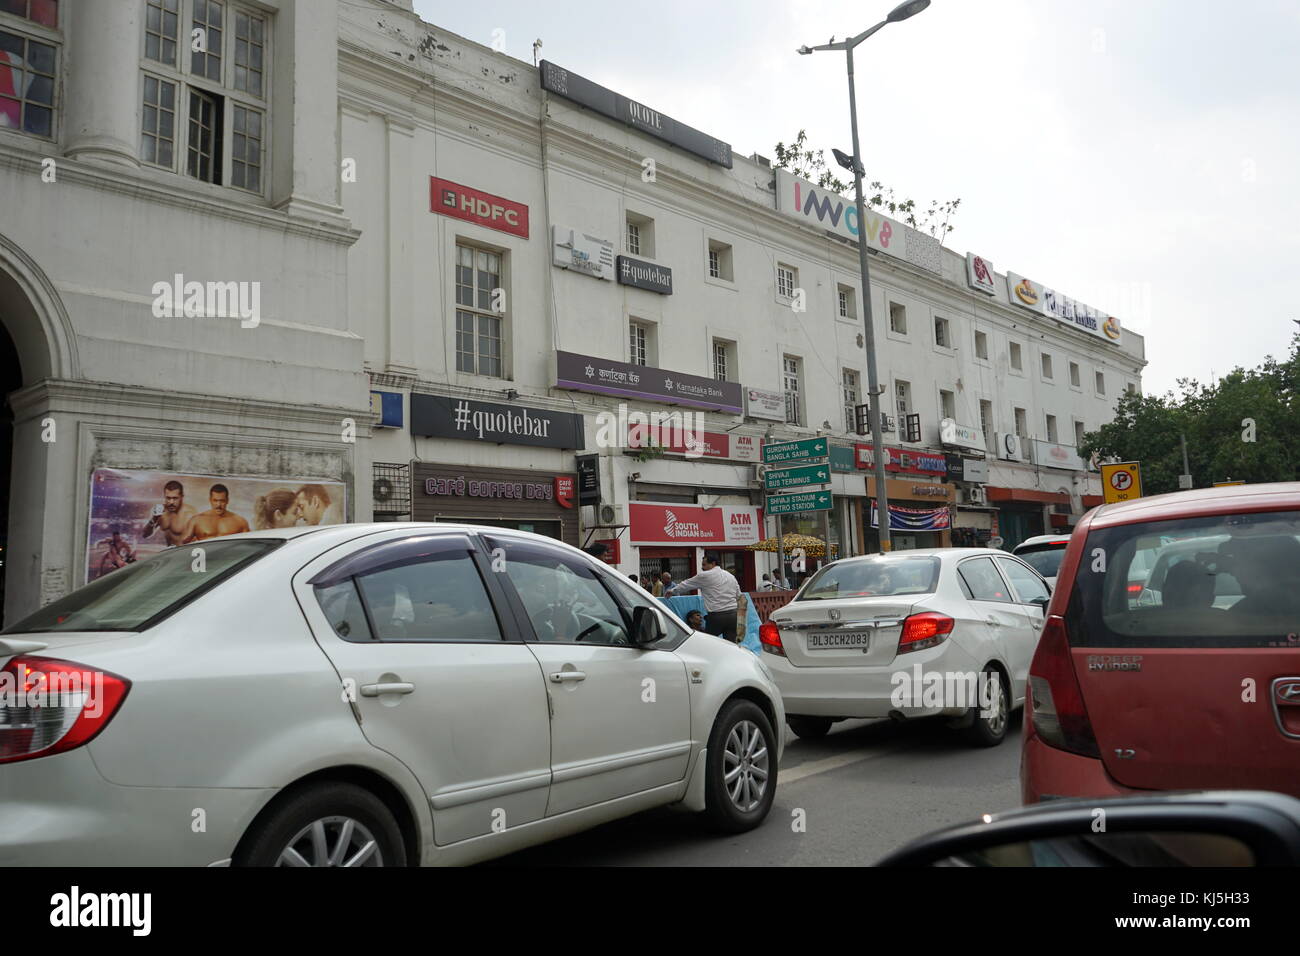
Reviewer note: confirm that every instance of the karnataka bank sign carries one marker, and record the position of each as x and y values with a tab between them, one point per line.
823	209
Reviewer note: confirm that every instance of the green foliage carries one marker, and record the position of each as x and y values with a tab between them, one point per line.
1214	419
811	165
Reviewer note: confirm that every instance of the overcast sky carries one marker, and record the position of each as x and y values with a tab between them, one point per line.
1142	156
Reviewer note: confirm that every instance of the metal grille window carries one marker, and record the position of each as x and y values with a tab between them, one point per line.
634	238
478	326
785	282
849	384
720	361
161	23
790	379
205	39
27	81
158	136
203	155
392	491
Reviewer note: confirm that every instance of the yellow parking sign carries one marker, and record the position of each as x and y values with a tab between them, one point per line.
1121	481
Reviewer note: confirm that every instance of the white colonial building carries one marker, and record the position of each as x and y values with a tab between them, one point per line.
506	258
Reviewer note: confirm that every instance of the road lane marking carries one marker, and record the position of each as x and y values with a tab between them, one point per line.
805	770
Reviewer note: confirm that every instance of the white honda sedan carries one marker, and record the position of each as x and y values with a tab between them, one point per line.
366	695
943	632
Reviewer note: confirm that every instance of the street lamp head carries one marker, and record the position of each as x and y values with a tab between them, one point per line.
905	10
804	50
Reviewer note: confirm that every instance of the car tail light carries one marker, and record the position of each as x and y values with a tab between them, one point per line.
48	706
1056	705
924	630
769	635
1135	589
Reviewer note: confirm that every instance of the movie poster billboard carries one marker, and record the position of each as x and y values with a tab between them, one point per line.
135	514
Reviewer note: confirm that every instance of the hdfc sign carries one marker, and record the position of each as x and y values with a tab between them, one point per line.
483	209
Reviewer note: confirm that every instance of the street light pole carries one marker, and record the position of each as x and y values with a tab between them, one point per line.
899	13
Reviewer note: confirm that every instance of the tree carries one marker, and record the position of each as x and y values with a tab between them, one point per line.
811	165
1245	426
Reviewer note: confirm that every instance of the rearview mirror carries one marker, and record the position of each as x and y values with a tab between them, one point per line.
646	628
1224	828
1042	602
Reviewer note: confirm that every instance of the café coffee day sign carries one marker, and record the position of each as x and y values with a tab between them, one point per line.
1039	299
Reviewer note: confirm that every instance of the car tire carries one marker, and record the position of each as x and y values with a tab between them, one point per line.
992	730
741	729
810	728
286	834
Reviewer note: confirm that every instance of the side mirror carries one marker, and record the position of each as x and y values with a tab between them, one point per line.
1222	828
1042	602
646	628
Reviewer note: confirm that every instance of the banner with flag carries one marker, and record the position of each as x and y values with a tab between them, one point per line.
914	519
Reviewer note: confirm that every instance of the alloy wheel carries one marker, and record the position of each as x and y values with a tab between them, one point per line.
745	765
332	841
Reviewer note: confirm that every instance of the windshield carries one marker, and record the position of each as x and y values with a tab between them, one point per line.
872	577
1045	559
138	595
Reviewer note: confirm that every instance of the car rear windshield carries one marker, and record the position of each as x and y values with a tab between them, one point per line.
1221	581
1045	558
141	594
872	577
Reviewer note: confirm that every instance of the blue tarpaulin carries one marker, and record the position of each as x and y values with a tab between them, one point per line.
683	604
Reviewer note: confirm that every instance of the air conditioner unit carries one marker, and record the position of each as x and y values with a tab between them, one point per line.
975	496
611	516
1009	447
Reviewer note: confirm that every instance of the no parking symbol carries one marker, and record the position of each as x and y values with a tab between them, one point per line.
1121	481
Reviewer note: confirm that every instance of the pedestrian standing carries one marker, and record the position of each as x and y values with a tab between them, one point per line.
720	591
663	584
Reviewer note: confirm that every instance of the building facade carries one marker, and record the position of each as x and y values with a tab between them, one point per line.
537	247
296	250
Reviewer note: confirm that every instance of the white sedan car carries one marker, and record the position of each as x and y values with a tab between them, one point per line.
942	632
366	695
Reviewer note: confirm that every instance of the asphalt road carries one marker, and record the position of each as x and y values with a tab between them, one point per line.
864	789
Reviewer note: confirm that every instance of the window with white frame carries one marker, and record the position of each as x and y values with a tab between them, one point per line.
947	404
847	304
790	379
720	261
787	279
205	95
1101	383
480	312
1022	422
1047	365
1074	374
724	361
1130	388
981	345
1051	429
902	397
942	333
852	393
1017	362
898	318
1078	434
640	238
30	42
638	334
986	421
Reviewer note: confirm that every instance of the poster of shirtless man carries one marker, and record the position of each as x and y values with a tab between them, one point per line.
151	508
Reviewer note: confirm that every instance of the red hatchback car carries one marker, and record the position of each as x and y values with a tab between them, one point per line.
1170	658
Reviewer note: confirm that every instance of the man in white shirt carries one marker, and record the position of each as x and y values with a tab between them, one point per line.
720	592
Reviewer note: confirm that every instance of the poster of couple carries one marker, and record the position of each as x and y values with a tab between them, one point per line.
135	514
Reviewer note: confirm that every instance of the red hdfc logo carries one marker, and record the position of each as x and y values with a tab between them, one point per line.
472	205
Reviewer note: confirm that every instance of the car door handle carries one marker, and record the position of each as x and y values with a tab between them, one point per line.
993	620
560	677
374	690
